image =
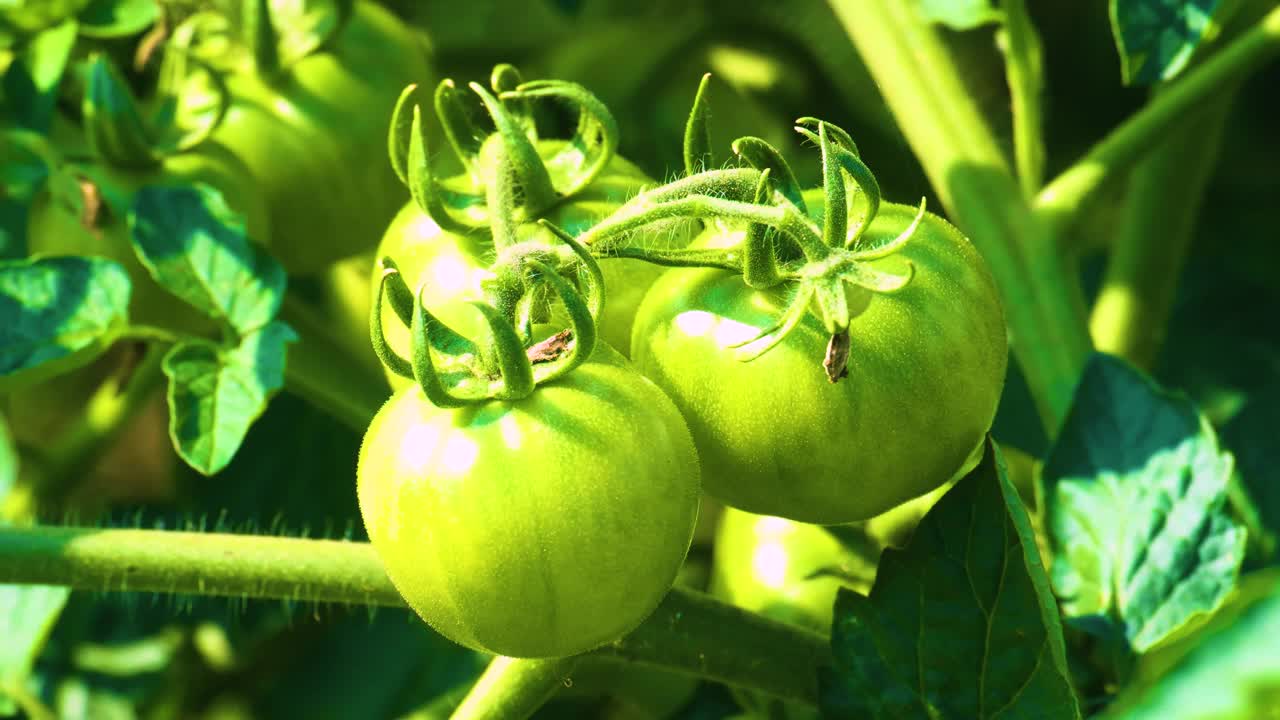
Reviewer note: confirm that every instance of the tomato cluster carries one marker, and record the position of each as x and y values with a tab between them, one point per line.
576	490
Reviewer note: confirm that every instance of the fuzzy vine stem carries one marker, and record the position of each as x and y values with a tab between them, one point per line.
926	93
1183	100
689	633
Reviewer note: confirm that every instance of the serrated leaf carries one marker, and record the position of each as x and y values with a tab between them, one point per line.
57	313
1134	488
31	80
961	624
959	14
196	247
27	614
216	393
1228	670
1156	38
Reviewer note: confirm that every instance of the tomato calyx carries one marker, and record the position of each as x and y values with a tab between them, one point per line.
526	280
831	267
546	171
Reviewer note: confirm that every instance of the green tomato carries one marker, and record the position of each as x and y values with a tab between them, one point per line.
791	572
451	267
58	225
315	138
542	527
925	373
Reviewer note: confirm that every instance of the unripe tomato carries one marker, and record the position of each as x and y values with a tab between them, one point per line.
451	267
315	137
61	225
541	527
925	372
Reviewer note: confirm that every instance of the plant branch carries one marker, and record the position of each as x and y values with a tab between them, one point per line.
925	90
689	632
1185	99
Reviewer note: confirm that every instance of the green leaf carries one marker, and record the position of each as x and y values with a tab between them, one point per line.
1229	670
31	80
961	624
57	313
196	247
959	14
118	18
1135	490
216	393
1156	38
27	614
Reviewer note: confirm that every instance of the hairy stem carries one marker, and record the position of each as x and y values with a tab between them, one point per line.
925	90
1067	195
322	370
689	632
1165	193
514	689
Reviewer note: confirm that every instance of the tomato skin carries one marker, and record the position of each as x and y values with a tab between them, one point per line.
537	528
316	139
452	266
55	229
925	373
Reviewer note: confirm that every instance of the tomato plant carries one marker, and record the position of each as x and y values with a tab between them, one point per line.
986	340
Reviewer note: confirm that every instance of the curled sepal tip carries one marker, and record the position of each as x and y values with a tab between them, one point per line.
762	155
595	137
840	157
411	160
395	363
593	291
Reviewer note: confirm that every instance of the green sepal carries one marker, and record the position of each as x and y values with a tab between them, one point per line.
697	132
760	259
261	36
761	155
530	172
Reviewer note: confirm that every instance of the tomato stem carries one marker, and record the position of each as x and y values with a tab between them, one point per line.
1183	101
925	90
514	689
690	632
1131	313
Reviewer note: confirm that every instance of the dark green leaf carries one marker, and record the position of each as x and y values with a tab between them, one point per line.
1229	670
27	613
196	247
1157	37
959	14
961	624
8	461
57	313
31	80
216	393
1135	488
1251	438
118	18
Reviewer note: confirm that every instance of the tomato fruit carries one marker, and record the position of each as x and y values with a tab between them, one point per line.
925	372
315	137
453	266
540	527
57	223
